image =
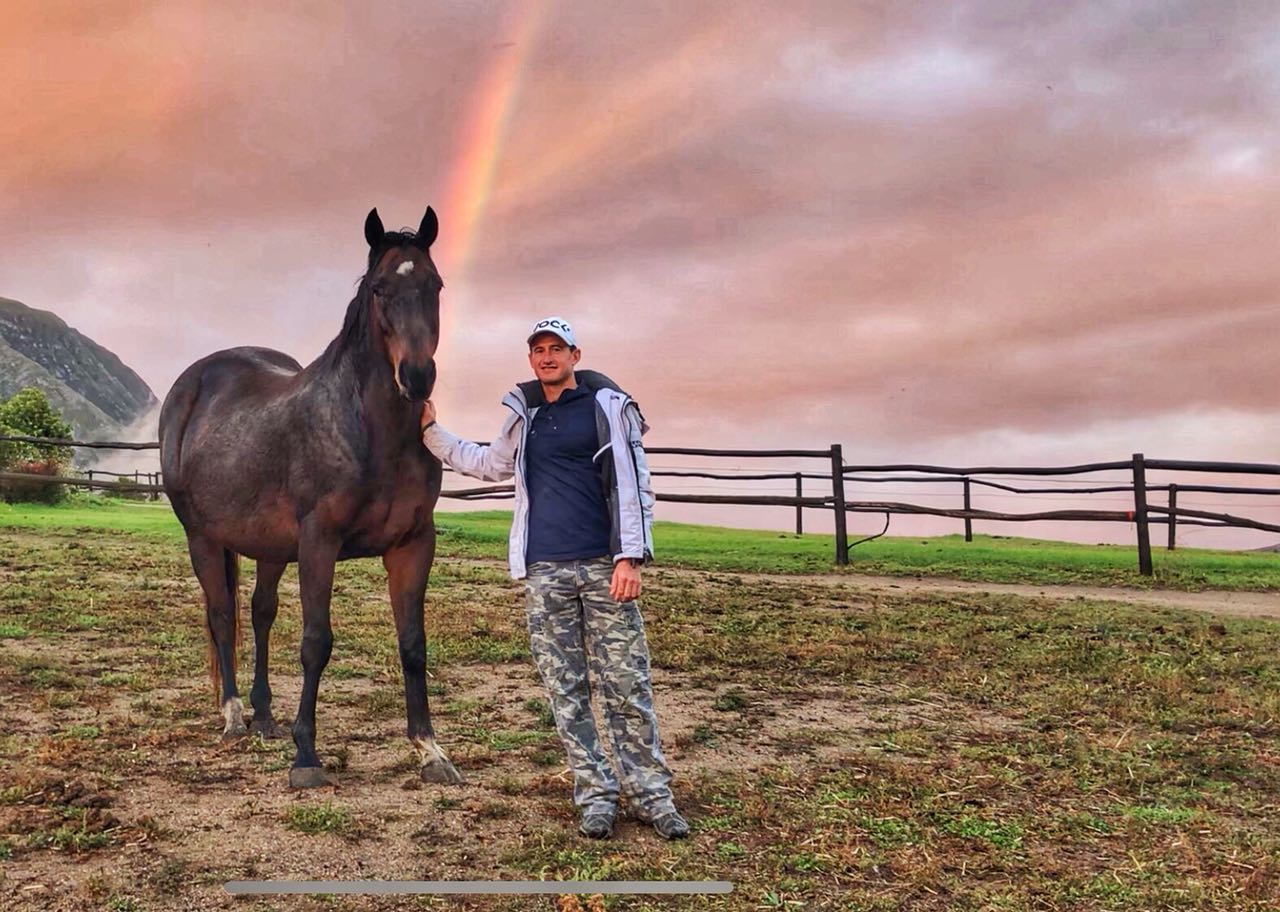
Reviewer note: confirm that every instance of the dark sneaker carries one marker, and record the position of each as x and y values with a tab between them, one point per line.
596	826
671	826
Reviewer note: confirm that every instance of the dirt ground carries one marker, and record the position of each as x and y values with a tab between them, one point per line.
186	814
211	813
1224	602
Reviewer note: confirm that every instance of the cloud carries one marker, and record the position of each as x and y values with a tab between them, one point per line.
898	226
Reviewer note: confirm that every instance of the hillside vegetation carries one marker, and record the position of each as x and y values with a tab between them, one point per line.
88	384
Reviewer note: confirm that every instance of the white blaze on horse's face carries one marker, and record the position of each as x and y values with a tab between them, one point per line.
405	268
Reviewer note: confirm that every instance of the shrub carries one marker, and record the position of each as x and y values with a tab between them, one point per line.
31	491
29	414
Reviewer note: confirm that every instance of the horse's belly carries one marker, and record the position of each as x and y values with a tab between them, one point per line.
267	530
256	518
386	523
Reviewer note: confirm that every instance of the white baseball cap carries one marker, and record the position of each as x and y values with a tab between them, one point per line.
557	326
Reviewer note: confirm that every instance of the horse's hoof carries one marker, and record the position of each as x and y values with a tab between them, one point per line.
235	734
306	777
267	728
442	772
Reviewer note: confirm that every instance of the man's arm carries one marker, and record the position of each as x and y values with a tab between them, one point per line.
636	545
635	430
490	462
634	488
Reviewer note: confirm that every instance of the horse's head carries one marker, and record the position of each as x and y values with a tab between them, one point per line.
404	301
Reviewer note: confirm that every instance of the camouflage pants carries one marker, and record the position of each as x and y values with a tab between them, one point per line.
574	624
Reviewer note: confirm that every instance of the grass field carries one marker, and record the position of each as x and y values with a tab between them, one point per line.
834	748
987	558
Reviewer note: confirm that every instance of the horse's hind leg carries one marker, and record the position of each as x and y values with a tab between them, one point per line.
265	603
218	571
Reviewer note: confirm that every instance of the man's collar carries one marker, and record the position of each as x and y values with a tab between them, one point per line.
573	392
589	380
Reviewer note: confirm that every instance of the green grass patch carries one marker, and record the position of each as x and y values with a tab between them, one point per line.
88	513
12	630
889	832
121	679
1000	835
483	534
313	819
730	851
1161	815
541	710
731	701
76	832
986	558
69	839
81	732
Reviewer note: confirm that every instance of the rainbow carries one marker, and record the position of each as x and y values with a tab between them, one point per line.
482	137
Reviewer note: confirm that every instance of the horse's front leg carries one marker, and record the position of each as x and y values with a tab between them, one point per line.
317	554
408	567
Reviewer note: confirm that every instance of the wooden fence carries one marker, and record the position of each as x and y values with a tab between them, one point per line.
839	477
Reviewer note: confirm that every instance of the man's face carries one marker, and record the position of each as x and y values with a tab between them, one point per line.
551	359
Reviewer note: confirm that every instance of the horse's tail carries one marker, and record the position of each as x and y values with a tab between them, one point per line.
231	563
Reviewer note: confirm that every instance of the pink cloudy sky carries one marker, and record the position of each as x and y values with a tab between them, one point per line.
952	233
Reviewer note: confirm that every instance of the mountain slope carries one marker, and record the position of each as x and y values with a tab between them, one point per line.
95	391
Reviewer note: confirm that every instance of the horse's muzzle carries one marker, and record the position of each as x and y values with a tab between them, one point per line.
416	382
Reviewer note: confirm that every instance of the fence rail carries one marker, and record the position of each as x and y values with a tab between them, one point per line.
1143	515
92	444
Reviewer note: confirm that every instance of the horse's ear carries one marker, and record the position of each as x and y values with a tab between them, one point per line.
373	230
428	230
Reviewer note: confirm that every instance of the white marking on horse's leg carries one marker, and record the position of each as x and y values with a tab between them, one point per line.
233	715
436	766
405	268
428	750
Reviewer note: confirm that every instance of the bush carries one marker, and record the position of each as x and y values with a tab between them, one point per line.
31	491
29	414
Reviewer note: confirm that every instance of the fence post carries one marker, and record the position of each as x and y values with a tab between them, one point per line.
1173	514
968	523
799	494
1140	514
837	495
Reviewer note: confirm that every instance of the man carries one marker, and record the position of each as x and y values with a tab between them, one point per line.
580	533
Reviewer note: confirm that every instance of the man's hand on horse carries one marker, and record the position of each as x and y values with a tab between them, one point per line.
625	584
428	414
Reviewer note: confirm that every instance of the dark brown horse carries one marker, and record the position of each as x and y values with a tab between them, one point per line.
264	458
